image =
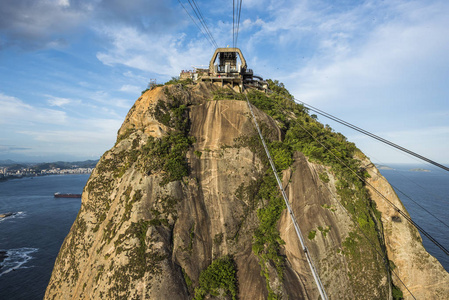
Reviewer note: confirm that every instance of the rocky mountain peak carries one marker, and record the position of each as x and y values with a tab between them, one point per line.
185	206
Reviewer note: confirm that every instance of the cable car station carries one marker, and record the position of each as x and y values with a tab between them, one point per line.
227	67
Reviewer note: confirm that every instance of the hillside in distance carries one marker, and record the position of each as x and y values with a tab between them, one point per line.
185	206
12	165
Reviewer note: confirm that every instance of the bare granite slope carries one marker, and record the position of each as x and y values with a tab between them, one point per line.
179	208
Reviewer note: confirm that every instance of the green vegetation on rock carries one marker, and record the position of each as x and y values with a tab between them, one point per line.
324	230
397	293
267	240
227	93
324	146
324	177
177	80
219	279
187	280
198	153
143	260
164	212
168	154
300	132
312	234
218	239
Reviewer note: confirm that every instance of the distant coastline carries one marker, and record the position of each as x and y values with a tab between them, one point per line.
13	170
404	167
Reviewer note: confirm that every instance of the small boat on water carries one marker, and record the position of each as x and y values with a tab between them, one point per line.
59	195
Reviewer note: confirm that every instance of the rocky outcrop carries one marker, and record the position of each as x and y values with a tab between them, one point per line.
183	205
5	215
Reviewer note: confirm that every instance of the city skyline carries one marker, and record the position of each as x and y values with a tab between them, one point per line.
71	70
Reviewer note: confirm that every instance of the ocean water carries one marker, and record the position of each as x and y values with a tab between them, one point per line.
33	236
421	193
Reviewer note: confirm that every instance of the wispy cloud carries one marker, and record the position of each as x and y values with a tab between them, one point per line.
90	138
422	134
60	102
40	23
10	148
391	55
135	77
108	102
165	55
376	62
46	23
128	88
73	134
15	111
71	137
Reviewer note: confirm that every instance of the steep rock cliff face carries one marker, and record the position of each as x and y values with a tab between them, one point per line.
186	191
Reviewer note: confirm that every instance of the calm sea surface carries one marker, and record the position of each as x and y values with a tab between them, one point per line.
421	193
33	236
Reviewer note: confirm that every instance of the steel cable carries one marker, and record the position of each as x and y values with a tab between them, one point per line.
292	215
238	23
371	135
432	239
201	18
199	28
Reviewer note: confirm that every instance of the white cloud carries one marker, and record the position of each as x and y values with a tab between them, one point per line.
91	137
60	102
376	64
166	55
38	23
390	57
47	132
135	77
104	125
357	60
15	111
398	136
69	143
41	23
128	88
71	137
64	3
109	102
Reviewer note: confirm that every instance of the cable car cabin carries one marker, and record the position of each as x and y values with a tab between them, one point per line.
228	66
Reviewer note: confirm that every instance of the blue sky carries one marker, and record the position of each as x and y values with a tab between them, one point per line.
71	69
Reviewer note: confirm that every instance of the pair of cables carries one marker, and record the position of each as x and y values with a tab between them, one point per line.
329	116
236	12
204	28
402	213
200	18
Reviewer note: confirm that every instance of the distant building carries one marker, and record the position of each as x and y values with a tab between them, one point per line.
187	74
